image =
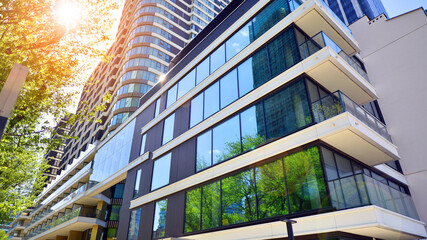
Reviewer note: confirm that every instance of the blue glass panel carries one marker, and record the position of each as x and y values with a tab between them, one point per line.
168	128
171	96
202	71
135	217
159	225
161	172
186	83
252	124
196	111
269	16
226	140
228	88
204	151
246	77
211	104
217	58
238	41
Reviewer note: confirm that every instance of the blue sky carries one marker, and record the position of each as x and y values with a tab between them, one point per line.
397	7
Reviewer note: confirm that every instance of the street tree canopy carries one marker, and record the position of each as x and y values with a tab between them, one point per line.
58	45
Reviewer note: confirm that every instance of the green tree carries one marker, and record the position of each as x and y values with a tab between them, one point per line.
59	57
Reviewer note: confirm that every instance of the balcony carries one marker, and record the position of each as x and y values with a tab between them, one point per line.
78	220
352	129
361	189
314	16
326	62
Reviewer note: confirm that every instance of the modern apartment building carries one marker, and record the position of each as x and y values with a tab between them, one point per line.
257	119
394	53
350	11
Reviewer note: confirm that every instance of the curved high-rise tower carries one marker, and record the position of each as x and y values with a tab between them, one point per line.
151	33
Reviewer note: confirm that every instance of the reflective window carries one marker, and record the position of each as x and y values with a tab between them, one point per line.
137	183
330	166
192	210
133	88
115	212
238	202
186	83
283	52
271	192
269	16
252	127
168	128
211	206
135	217
211	103
160	219
226	140
171	96
287	111
305	181
149	51
238	41
260	68
157	109
143	140
139	74
202	70
228	89
217	58
126	102
145	62
196	112
204	151
246	77
118	190
161	172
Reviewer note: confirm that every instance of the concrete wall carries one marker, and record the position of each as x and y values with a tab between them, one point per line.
394	51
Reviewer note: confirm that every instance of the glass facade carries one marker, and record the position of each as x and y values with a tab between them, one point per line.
168	128
287	185
115	152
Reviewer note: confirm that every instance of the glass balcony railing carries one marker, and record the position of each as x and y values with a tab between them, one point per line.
321	40
361	189
79	212
69	197
337	103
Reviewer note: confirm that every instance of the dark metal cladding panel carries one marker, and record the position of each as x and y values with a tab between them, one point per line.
182	119
147	220
175	215
183	161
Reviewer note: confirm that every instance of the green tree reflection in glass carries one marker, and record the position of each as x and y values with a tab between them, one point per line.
271	191
305	181
211	206
192	210
238	198
160	219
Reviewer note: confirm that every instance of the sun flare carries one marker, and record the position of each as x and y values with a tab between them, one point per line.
68	14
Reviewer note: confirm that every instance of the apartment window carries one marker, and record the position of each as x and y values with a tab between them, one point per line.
118	190
226	140
196	113
135	217
237	199
228	89
115	212
157	108
171	98
161	171
282	113
217	58
186	83
211	100
238	41
168	128
269	16
137	183
143	142
160	219
202	71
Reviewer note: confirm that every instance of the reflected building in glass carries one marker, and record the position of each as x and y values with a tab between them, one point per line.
350	11
258	118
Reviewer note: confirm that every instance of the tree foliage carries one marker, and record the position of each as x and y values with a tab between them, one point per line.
59	57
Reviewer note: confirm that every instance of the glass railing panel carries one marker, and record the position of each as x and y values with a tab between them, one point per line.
294	4
360	190
365	116
327	107
321	40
